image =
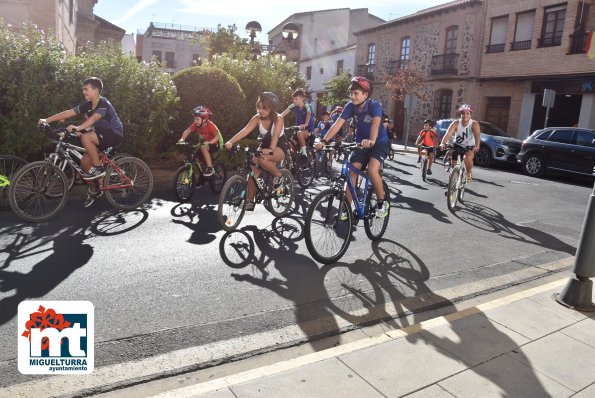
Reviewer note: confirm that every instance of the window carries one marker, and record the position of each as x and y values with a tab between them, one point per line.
585	138
442	104
157	54
308	72
169	59
562	136
498	34
339	67
497	109
405	48
371	57
451	40
523	31
553	26
544	135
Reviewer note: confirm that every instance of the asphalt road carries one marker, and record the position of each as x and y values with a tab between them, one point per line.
167	278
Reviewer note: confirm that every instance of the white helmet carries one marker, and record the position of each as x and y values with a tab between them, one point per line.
465	107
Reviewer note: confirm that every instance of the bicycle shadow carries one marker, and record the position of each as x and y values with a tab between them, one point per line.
275	265
399	201
200	217
397	293
488	219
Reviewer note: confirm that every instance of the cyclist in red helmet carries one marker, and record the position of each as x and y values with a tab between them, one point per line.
369	133
467	138
207	131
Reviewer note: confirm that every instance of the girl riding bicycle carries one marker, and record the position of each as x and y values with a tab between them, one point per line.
427	138
270	127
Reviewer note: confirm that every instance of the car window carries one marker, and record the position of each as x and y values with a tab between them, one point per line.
562	136
490	129
585	138
544	135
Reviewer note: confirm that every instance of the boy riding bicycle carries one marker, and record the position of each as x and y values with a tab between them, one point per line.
303	118
427	138
101	115
369	133
208	132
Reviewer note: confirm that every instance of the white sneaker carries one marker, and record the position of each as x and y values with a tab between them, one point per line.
383	211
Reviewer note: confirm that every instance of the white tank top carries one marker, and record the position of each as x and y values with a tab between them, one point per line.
464	135
263	131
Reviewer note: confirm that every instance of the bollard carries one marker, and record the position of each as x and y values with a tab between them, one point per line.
577	293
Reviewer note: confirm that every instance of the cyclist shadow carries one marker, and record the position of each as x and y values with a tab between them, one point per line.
388	166
69	253
395	290
488	219
277	267
399	201
479	180
200	218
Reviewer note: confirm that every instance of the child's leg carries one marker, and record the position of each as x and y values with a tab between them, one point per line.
204	150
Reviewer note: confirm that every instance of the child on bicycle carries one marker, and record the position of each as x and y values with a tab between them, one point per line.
323	127
427	137
369	133
467	136
303	118
208	133
108	131
270	128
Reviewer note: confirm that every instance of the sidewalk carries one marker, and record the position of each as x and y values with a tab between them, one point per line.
521	345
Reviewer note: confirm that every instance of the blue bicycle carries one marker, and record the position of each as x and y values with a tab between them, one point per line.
330	219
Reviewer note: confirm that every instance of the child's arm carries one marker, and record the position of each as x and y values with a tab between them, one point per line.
185	134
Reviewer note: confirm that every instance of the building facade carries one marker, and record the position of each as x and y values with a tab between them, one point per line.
178	46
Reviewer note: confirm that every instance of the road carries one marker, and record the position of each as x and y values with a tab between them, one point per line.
167	279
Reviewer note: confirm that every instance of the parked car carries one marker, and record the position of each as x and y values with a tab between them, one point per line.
559	149
496	144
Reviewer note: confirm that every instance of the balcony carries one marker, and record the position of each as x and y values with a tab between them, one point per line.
577	43
366	71
549	40
520	45
395	66
444	64
495	48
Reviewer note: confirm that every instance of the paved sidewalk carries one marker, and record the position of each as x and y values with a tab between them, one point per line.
522	345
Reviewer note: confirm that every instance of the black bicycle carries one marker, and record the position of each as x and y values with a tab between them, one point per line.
191	174
302	167
233	197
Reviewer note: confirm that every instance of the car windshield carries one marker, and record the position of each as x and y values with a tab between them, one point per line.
488	128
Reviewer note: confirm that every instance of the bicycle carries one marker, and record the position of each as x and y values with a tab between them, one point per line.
391	152
323	165
457	181
39	190
191	174
330	218
447	163
9	165
233	199
424	161
302	168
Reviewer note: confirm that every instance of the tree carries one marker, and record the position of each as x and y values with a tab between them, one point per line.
225	41
337	90
408	81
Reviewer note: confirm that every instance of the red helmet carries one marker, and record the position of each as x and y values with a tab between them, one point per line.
362	83
202	111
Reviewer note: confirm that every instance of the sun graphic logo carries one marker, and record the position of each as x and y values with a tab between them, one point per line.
56	337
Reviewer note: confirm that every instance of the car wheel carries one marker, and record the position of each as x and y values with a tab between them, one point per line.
534	165
483	157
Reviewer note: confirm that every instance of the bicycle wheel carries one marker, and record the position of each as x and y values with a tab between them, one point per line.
424	168
374	226
327	236
391	154
142	183
232	203
217	180
280	204
184	182
306	169
9	165
328	165
452	194
38	191
462	186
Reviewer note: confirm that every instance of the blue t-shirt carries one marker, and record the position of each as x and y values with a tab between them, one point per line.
110	121
324	128
300	115
363	120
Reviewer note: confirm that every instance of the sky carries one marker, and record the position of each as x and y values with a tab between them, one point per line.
134	15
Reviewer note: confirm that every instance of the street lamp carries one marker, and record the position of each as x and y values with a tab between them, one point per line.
290	32
253	28
255	51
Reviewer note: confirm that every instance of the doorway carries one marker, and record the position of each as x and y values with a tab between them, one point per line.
565	113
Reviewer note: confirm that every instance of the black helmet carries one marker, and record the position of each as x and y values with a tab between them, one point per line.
272	97
429	121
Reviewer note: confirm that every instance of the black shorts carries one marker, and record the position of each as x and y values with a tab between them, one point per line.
457	149
429	150
108	139
378	151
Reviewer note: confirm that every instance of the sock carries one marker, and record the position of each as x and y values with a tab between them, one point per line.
303	150
379	204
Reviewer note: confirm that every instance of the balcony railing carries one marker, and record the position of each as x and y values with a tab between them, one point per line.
550	40
444	64
395	66
520	45
366	71
495	48
577	43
